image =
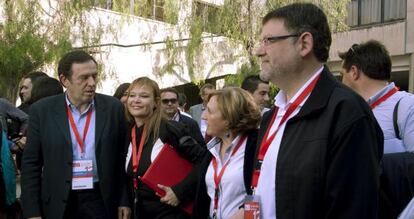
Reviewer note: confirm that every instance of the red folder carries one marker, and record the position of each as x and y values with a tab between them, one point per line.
168	169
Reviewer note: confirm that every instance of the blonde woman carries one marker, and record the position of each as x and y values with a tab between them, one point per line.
149	132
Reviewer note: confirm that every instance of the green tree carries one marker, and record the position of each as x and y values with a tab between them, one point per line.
35	33
240	22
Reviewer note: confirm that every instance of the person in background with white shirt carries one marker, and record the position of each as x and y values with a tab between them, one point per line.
366	68
320	146
196	110
232	117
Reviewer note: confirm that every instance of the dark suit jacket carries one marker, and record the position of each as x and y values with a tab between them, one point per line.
47	158
202	203
175	134
328	161
193	129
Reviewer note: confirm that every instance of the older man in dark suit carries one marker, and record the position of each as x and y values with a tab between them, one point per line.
73	162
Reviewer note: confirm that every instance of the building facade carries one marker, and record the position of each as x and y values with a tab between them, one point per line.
388	21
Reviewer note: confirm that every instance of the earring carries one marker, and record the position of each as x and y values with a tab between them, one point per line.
227	134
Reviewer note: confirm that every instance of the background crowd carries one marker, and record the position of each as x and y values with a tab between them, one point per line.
322	149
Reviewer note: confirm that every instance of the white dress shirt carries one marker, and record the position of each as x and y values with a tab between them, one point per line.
231	188
266	187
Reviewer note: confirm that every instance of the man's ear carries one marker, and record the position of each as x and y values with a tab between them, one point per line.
305	41
355	73
63	80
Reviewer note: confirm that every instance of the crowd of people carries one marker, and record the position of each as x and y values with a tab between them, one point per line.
324	149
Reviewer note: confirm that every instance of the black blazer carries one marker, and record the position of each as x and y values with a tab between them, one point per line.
202	203
328	161
47	158
175	134
193	128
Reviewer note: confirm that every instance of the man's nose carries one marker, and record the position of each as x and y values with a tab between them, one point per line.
259	50
91	81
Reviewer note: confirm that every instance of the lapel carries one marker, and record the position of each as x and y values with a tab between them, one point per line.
320	95
61	118
101	118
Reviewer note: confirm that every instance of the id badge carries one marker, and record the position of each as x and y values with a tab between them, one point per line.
252	207
82	174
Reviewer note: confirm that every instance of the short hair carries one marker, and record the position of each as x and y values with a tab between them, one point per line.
120	91
206	86
238	108
306	17
66	62
182	99
169	89
33	76
251	82
371	57
45	87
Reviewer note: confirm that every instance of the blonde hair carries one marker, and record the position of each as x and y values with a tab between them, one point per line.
238	108
153	122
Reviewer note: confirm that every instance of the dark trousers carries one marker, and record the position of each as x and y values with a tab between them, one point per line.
86	204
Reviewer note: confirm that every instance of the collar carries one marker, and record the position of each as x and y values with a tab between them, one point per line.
176	117
72	107
320	95
381	93
214	145
280	99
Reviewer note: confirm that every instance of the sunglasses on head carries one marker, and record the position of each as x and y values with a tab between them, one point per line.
167	101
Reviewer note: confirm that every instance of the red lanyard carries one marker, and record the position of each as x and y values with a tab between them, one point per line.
136	157
217	178
384	98
80	141
268	140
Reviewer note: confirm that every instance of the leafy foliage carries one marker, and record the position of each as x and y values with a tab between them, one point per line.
34	33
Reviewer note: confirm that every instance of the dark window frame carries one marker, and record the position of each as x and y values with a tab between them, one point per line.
382	15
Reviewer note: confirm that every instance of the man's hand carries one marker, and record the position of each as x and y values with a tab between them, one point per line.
170	198
22	142
124	212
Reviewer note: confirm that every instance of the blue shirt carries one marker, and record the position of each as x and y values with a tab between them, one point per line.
89	144
384	115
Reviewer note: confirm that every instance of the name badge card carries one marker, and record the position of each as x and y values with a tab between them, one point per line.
82	174
252	207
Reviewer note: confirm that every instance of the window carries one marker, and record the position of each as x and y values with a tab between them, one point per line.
152	9
365	12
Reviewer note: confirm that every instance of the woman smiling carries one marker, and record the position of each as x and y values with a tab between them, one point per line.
149	132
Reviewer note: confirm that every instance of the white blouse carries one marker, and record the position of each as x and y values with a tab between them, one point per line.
231	188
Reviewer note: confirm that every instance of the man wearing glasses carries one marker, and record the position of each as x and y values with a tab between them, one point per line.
320	145
169	105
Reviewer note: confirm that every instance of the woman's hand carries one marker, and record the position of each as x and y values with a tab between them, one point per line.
239	214
169	198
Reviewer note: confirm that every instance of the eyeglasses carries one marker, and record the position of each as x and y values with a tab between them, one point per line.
352	50
167	101
272	39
